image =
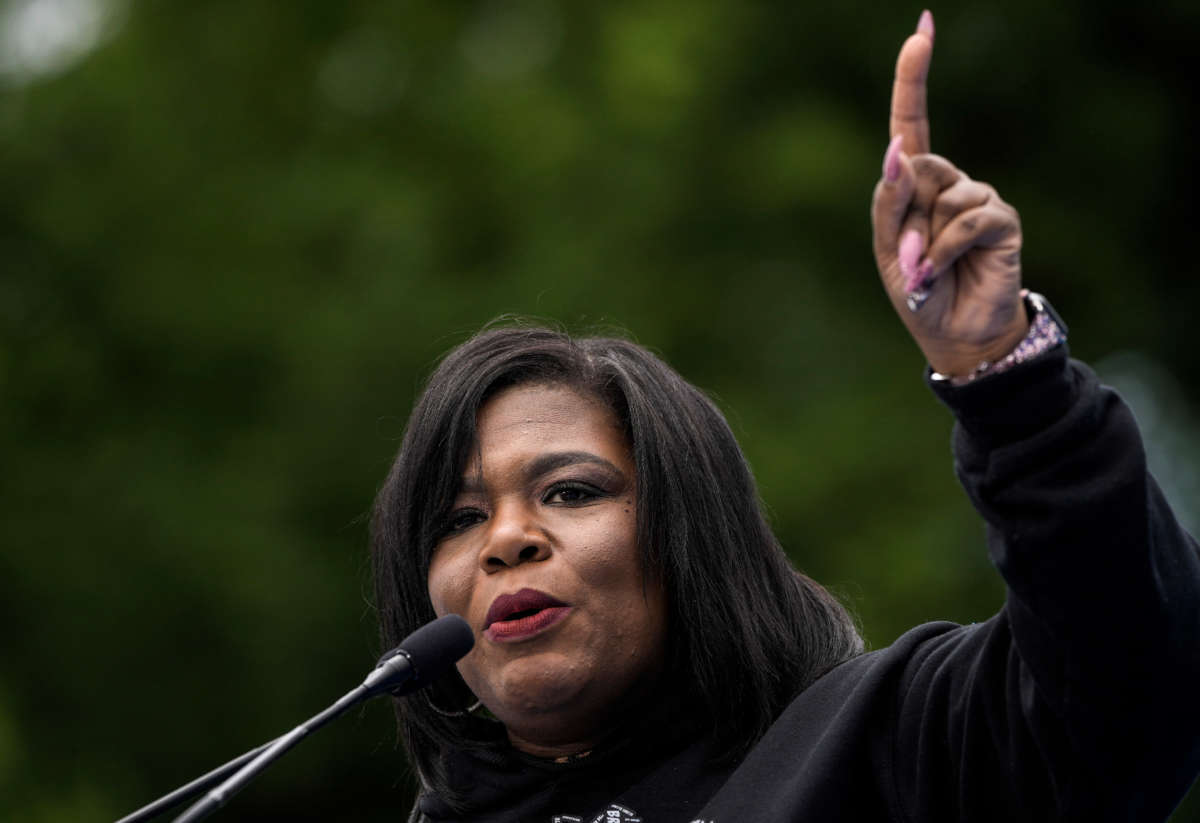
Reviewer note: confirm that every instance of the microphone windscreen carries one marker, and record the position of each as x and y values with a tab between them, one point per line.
433	649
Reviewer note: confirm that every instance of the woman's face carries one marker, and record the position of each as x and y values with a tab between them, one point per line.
541	558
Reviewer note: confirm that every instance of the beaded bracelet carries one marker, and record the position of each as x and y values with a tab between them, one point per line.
1045	332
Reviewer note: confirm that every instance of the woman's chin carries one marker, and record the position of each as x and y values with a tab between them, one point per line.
539	685
559	698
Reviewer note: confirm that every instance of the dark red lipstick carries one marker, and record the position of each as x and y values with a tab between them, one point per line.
518	616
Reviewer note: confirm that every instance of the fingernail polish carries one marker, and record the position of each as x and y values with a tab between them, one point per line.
891	159
925	24
924	275
907	255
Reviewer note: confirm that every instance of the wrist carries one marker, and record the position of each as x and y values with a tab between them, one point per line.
1043	330
961	360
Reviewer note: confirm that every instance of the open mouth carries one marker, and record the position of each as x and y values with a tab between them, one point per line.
522	605
521	615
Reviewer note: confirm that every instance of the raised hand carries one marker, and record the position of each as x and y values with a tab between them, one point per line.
947	247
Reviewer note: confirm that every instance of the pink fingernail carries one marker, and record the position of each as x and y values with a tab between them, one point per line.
925	24
911	246
924	276
891	159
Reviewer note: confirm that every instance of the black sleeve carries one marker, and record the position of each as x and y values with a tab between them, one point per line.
1080	700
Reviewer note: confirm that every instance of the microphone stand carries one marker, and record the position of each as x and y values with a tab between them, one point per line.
268	754
249	765
190	790
423	655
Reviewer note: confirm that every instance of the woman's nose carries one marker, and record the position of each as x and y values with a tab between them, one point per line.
514	538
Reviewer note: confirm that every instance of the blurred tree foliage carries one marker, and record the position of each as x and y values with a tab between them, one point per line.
235	236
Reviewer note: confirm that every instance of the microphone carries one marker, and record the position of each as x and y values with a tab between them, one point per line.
422	657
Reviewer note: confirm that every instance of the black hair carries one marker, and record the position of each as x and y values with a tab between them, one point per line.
746	631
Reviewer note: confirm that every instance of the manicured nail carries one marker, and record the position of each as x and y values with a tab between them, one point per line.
924	275
891	159
911	246
925	24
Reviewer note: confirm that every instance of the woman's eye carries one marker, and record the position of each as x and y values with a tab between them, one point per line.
461	520
572	493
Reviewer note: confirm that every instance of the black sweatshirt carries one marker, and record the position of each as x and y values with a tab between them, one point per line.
1080	700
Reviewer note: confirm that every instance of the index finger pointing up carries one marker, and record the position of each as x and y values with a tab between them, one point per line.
909	114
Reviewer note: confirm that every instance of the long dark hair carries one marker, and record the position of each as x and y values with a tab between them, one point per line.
747	632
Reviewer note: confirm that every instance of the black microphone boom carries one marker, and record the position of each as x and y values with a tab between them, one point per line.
422	657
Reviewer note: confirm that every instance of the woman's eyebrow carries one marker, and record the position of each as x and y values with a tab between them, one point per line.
544	464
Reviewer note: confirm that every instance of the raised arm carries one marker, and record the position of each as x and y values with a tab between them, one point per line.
1077	701
947	247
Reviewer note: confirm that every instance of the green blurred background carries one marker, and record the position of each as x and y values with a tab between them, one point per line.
235	236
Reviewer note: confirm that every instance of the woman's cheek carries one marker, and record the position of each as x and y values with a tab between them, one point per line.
609	556
449	585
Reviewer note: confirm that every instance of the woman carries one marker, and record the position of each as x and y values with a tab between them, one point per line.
645	652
